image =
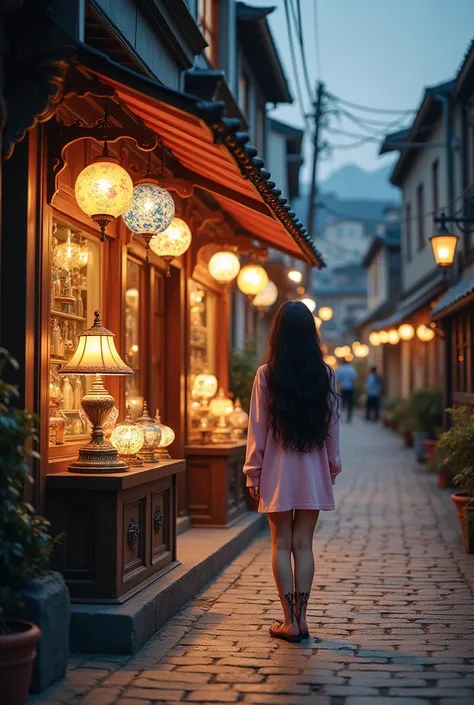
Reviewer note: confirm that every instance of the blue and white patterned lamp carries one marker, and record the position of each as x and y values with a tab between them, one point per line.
151	212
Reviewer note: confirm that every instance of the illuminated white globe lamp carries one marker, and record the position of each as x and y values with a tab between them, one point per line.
167	438
172	242
224	266
221	407
266	298
383	337
325	313
204	388
309	302
239	420
295	276
374	339
128	439
425	333
252	279
151	211
406	331
393	337
104	190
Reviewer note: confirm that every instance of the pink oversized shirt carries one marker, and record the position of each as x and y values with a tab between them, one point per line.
287	479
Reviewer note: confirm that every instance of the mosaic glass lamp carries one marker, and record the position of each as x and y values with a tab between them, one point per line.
152	436
239	420
128	439
167	438
221	407
151	212
172	242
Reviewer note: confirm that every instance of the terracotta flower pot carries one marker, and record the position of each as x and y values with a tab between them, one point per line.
429	447
408	439
419	438
466	519
443	480
17	656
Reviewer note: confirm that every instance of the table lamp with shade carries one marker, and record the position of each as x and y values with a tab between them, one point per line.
97	355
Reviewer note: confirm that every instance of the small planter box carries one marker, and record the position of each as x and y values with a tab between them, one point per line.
465	515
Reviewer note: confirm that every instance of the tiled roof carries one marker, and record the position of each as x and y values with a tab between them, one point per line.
458	291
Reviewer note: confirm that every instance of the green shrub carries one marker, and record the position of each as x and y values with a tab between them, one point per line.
455	450
25	544
404	418
426	407
243	366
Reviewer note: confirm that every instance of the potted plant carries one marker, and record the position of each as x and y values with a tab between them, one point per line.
455	449
437	464
405	423
426	407
389	412
25	541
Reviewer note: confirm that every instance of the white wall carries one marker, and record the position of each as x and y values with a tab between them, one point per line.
377	280
345	242
276	160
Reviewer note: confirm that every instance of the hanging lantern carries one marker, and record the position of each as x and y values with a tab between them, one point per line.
309	302
406	331
425	334
252	279
104	190
444	245
67	255
393	337
325	313
172	242
224	266
330	360
374	339
295	276
151	211
383	336
266	298
361	350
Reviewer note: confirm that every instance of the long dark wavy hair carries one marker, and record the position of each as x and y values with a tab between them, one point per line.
301	401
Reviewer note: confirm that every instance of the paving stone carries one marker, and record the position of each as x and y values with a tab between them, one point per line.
101	696
383	700
212	696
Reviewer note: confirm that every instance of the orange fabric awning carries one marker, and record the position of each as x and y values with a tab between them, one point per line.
211	149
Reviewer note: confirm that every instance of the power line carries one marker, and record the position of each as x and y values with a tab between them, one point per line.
294	63
383	129
316	40
296	13
367	108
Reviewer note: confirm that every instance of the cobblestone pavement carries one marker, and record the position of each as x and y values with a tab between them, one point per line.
392	602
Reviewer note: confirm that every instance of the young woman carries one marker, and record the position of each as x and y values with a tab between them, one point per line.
293	455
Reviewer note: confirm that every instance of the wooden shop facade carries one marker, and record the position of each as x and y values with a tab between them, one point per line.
120	528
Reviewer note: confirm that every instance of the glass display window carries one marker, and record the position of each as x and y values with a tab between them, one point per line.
75	294
202	343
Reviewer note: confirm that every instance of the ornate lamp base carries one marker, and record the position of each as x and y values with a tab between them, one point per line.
132	460
98	456
163	454
148	456
221	435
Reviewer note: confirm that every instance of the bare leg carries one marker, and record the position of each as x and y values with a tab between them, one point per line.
304	525
281	524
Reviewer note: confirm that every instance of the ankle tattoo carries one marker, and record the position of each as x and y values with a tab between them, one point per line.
303	599
290	598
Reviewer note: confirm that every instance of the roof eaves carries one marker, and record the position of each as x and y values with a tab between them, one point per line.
466	68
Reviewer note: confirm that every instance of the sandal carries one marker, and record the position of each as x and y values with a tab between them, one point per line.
276	634
303	598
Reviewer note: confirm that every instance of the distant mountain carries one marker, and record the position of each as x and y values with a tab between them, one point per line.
355	183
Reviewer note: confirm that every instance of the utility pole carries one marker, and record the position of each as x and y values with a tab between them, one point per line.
318	113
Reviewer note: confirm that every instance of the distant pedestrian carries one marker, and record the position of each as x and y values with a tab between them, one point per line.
374	389
293	455
347	376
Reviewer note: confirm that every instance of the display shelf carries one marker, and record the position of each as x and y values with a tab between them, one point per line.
68	316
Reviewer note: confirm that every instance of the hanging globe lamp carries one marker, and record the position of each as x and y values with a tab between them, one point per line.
172	242
406	331
151	211
224	266
266	298
325	313
425	333
374	339
252	279
309	302
104	190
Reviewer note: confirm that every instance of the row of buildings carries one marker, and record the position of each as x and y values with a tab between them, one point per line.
177	90
435	173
